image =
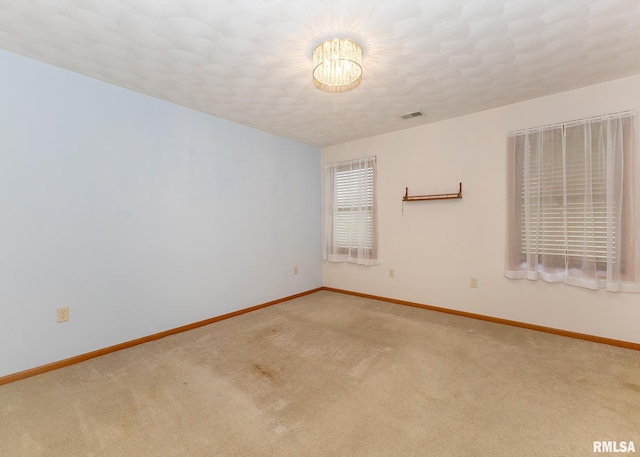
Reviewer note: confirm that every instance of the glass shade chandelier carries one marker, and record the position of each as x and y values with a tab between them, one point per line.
337	65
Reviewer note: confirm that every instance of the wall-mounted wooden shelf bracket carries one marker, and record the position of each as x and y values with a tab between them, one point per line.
413	198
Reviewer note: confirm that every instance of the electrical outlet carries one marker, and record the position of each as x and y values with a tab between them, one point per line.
392	273
295	270
474	283
63	314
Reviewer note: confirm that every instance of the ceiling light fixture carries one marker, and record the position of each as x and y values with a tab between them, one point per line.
337	65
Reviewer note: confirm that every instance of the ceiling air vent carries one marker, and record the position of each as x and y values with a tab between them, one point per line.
412	115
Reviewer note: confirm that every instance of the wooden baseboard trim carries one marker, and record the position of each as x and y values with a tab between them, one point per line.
156	336
496	320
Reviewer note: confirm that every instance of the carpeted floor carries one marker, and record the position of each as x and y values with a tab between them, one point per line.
332	375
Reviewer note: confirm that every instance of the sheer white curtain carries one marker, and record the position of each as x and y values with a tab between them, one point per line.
350	232
572	213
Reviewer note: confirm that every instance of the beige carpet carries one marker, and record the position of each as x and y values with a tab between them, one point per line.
332	375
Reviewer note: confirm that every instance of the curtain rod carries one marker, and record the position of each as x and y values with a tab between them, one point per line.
349	162
584	119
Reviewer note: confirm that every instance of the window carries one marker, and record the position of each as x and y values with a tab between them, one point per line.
572	204
350	229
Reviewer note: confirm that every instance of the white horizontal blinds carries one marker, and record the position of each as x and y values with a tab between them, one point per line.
543	197
354	206
588	222
350	232
572	204
566	191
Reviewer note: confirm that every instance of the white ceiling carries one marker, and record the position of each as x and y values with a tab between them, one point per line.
249	61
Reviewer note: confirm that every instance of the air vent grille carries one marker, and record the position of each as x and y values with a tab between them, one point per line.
412	115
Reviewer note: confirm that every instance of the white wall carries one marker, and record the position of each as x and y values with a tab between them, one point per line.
435	247
138	214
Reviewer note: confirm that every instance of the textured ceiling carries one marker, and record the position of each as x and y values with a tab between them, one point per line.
249	61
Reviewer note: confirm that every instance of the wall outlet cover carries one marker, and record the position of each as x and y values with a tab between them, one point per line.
63	314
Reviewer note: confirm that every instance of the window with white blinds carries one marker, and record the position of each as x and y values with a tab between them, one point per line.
354	207
567	193
571	204
349	214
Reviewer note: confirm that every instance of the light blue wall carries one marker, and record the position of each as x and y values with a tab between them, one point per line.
138	214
